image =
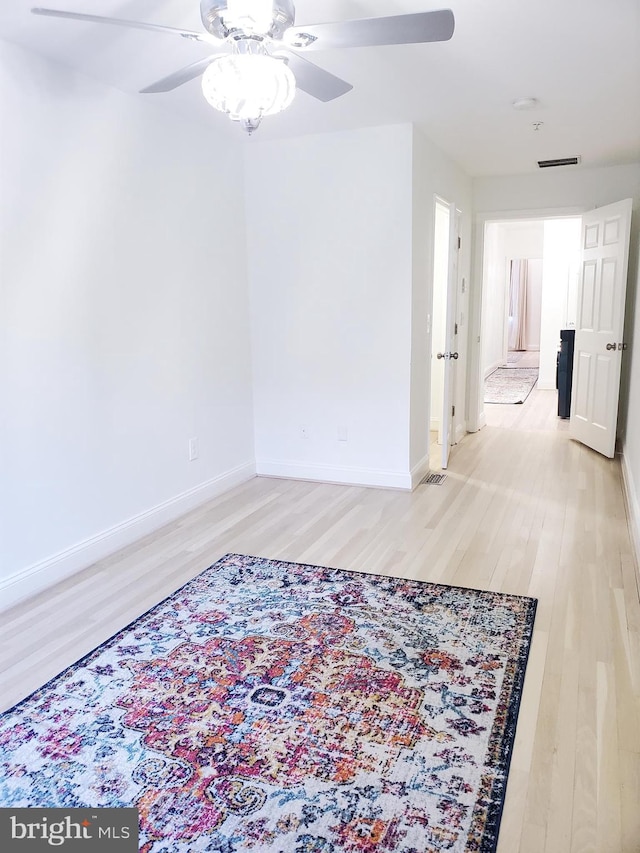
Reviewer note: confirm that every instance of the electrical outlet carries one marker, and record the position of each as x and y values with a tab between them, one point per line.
304	431
193	449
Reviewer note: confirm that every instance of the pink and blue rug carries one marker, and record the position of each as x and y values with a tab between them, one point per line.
273	707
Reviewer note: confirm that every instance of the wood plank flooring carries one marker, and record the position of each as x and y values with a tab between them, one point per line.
523	510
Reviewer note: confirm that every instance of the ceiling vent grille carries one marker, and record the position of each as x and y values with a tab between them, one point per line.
561	161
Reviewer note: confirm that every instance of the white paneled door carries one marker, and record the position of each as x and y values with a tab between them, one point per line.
599	344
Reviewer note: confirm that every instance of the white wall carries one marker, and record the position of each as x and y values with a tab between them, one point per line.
124	327
631	388
573	188
435	174
559	270
534	304
494	293
329	224
523	239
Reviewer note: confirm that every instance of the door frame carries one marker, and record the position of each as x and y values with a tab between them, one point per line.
438	322
451	335
475	380
452	294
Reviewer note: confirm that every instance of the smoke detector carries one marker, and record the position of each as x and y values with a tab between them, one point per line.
525	103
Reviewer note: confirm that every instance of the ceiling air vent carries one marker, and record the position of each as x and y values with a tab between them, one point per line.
561	161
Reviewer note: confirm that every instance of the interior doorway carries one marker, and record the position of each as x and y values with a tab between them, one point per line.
530	270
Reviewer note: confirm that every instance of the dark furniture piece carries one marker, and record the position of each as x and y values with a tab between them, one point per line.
564	372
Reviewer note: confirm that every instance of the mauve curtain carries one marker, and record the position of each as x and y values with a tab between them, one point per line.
518	305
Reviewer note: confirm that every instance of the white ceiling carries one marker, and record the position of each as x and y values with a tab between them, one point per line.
579	58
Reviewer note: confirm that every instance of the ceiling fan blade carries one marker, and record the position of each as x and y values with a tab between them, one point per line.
369	32
313	80
179	77
121	22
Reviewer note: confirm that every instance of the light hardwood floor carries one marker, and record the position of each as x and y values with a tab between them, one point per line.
523	510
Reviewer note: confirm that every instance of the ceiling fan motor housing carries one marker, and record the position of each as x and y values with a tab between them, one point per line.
222	18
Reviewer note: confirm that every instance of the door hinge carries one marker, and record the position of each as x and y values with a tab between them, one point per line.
459	242
455	328
453	411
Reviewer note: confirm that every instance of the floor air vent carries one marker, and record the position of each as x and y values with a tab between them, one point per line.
433	480
563	161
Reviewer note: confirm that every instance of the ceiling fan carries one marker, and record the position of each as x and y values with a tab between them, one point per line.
256	63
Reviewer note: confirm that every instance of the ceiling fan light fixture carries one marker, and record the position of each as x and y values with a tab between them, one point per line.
253	80
269	18
249	86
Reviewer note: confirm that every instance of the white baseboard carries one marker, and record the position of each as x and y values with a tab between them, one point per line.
418	471
492	367
52	570
633	508
334	474
459	432
434	426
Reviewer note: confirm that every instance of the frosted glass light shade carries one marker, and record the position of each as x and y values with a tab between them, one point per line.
248	86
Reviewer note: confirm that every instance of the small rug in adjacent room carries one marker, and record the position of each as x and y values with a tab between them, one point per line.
270	706
509	384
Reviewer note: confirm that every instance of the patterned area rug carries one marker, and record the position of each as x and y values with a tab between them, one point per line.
509	384
275	707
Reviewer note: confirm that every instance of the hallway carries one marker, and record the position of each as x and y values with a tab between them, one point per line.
523	510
